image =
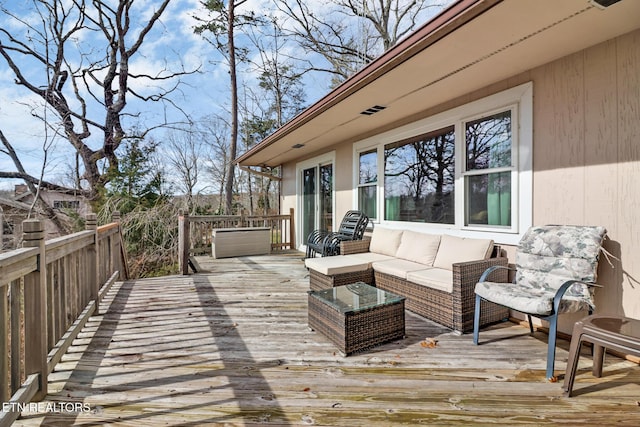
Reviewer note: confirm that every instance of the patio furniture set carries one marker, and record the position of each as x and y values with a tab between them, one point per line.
435	274
357	299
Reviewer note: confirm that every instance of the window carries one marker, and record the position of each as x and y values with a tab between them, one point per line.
66	204
419	178
487	175
368	183
468	169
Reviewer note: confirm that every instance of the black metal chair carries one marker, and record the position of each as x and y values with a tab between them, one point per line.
327	243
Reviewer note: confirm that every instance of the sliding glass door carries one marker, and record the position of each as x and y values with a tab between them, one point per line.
316	198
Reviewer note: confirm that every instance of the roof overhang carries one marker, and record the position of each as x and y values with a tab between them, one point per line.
470	45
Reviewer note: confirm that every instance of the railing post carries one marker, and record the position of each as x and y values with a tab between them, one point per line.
35	308
91	223
292	230
183	242
4	343
114	246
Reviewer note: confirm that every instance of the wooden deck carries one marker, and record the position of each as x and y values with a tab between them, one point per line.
232	347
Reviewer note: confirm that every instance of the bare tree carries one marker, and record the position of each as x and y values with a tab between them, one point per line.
87	85
215	134
350	33
184	154
8	149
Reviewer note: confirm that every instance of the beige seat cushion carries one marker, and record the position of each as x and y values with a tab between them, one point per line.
418	247
332	265
397	267
460	249
434	278
370	257
385	241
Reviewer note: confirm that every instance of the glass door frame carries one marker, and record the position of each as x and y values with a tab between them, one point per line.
315	162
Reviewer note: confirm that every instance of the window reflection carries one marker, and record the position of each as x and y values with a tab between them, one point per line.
419	178
488	148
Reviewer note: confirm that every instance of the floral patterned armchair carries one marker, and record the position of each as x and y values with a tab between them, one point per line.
556	271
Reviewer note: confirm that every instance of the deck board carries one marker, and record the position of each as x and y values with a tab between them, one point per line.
231	347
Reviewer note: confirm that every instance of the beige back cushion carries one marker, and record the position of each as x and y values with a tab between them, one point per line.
418	247
385	241
460	249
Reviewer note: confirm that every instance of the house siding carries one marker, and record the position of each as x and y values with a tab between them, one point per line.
586	164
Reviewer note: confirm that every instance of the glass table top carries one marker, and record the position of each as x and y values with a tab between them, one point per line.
355	297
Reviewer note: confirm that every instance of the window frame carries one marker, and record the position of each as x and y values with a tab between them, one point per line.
519	100
461	184
375	184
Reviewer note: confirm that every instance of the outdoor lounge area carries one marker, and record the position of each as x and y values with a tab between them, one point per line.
231	346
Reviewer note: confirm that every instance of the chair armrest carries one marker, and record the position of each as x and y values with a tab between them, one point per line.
317	236
331	243
565	287
354	246
488	271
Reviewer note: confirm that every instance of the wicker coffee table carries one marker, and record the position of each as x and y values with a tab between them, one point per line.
356	316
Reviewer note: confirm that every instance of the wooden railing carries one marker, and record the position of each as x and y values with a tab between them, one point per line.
195	232
48	290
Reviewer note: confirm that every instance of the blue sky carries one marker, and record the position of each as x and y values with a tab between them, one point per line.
172	44
172	41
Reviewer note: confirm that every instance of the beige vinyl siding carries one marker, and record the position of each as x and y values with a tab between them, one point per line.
586	161
587	156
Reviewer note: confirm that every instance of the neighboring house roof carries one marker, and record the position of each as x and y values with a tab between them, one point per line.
469	46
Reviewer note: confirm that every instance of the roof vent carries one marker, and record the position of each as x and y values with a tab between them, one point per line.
603	3
297	146
373	110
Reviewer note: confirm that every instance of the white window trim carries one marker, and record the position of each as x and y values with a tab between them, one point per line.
327	158
462	172
356	176
520	100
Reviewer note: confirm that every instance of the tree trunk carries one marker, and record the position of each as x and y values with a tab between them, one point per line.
234	114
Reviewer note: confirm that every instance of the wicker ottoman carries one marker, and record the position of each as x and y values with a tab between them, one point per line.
357	316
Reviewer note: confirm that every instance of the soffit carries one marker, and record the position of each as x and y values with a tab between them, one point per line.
509	38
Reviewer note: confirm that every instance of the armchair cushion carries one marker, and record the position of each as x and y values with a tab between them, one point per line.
535	301
548	257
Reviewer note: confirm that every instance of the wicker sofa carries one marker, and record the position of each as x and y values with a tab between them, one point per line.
435	273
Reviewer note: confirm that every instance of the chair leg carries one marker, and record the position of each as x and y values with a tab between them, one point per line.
476	320
598	359
574	356
530	324
551	351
